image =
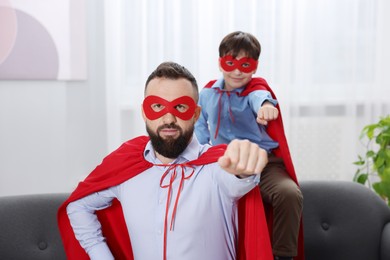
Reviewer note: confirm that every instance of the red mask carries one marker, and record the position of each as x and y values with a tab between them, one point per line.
245	64
182	107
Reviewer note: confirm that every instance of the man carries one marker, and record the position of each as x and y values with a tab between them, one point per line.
172	197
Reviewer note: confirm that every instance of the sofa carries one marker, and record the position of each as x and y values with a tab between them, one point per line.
342	221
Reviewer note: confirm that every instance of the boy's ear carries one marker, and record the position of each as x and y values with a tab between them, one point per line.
254	72
219	65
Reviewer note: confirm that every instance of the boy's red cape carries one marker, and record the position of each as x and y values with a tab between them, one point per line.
275	130
128	161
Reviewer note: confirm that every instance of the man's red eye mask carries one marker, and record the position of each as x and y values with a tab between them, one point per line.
169	107
238	64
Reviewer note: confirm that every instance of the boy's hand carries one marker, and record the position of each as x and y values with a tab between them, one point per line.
267	112
243	158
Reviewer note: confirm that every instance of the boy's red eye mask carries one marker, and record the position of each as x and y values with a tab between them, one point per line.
163	107
245	64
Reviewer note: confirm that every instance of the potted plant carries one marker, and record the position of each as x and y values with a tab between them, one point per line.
374	167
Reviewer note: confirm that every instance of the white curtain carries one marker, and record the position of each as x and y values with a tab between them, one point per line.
326	60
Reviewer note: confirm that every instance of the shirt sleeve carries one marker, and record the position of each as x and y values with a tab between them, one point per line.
86	225
233	186
202	131
258	97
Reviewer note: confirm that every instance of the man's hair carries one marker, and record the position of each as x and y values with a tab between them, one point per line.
235	42
172	70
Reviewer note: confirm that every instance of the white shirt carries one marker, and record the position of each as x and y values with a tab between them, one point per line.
205	224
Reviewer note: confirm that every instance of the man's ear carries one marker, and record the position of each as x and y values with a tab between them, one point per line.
198	109
143	113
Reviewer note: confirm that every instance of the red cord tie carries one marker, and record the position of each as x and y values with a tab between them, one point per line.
172	168
221	92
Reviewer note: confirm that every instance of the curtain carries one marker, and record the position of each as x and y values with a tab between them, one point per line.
326	60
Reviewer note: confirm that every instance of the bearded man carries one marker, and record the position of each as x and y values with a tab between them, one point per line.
166	196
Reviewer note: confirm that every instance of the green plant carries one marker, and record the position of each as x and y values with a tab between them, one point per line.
374	167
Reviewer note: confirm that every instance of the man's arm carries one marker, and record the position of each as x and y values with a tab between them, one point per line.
86	225
243	158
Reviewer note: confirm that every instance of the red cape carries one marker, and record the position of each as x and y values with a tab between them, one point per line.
275	130
128	161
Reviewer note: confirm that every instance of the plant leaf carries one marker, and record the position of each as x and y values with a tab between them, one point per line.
385	177
385	188
370	153
362	178
379	161
378	188
359	163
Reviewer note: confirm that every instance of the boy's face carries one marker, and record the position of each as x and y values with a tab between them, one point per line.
237	78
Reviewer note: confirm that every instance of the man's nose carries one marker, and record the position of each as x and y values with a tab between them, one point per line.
168	118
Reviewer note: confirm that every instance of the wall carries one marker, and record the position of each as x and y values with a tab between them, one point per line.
52	133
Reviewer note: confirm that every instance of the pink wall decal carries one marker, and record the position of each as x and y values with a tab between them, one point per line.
42	39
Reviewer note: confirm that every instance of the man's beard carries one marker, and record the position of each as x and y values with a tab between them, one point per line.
170	147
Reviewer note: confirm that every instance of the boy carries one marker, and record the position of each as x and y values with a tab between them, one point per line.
238	106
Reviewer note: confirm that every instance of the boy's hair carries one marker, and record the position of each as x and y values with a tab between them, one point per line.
172	70
235	42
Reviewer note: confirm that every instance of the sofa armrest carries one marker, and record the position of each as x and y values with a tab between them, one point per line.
28	227
385	245
344	220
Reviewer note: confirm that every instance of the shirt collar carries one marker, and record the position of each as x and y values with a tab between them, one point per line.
191	153
221	82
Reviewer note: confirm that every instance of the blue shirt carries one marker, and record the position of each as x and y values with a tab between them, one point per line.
237	116
205	225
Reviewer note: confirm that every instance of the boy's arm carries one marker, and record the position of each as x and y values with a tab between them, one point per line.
86	225
267	112
263	105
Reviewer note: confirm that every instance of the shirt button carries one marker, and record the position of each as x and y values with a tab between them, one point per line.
159	232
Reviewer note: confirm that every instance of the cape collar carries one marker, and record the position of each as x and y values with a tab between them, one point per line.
220	83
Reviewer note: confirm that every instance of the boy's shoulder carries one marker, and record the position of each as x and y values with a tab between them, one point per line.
258	83
210	84
255	84
209	88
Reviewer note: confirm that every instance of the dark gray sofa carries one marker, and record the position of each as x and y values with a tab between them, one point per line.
342	221
28	227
